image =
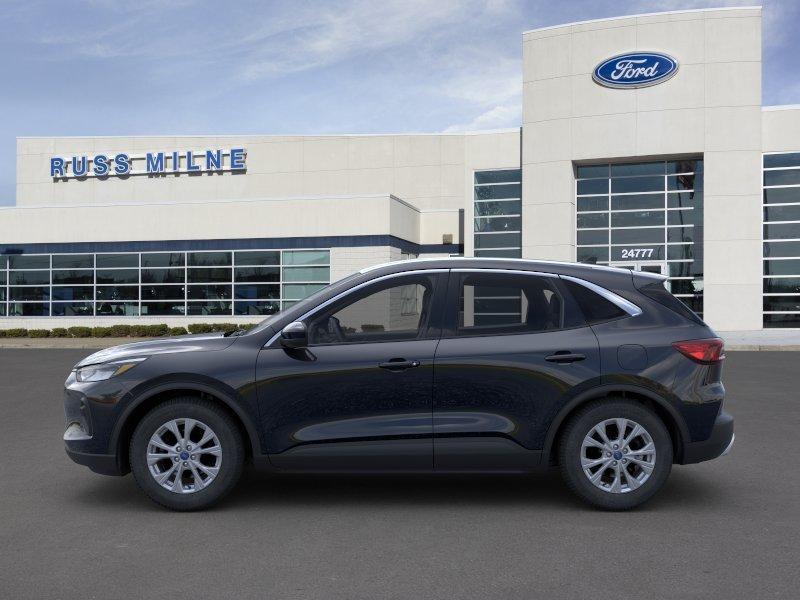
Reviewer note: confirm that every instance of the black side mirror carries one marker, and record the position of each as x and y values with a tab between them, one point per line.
294	335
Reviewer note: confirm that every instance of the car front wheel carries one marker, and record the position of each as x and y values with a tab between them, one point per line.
186	454
615	453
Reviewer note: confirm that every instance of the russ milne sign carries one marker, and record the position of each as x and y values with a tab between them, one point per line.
122	164
635	70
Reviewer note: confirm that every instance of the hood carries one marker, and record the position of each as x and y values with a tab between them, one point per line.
181	343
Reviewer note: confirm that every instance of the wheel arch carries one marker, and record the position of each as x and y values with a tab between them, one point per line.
148	399
662	407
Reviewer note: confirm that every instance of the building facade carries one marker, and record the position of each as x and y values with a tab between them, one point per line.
663	160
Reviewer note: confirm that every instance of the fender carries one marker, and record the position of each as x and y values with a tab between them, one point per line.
186	381
602	390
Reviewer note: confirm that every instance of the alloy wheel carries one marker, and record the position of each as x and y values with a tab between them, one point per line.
618	455
184	455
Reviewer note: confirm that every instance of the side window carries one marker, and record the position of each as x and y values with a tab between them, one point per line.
398	310
595	308
499	303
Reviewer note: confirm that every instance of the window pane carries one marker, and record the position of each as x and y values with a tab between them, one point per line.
684	182
209	292
72	309
163	259
778	249
257	273
118	276
116	292
508	207
256	308
586	171
685	217
498	176
685	166
509	253
254	292
637	201
637	184
29	277
2	294
163	276
783	231
162	292
498	240
297	291
209	275
388	314
592	186
209	308
680	234
593	255
596	203
2	277
306	274
782	267
790	159
592	220
685	200
782	195
117	309
592	237
686	269
782	303
258	258
23	261
113	261
494	192
73	261
306	257
73	292
685	286
788	177
209	259
73	277
162	308
680	252
782	213
498	224
774	321
28	309
637	219
650	168
782	285
637	236
29	293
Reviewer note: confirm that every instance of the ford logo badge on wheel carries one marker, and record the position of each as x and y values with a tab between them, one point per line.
635	70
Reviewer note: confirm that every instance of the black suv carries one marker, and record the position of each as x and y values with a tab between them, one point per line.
445	365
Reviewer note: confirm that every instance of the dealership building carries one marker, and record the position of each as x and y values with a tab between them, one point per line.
643	144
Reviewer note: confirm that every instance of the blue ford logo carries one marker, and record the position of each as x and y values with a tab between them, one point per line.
635	70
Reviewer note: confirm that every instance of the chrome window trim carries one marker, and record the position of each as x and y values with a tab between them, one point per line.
629	307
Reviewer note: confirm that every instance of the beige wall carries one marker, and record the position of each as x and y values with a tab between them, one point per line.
712	107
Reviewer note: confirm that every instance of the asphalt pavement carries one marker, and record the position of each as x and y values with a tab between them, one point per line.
725	529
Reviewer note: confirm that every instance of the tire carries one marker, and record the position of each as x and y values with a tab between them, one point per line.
636	484
216	479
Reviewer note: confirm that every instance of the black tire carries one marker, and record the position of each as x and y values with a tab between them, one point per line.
229	438
582	422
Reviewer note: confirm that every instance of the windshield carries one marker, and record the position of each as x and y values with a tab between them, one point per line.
303	305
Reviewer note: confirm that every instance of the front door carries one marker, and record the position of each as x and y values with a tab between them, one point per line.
360	396
514	350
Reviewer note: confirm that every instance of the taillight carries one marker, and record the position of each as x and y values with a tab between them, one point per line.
703	351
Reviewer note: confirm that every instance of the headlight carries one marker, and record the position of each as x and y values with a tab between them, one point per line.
105	371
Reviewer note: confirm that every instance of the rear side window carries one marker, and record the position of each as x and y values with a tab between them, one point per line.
595	308
656	291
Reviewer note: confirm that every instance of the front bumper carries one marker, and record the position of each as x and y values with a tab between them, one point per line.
718	443
105	464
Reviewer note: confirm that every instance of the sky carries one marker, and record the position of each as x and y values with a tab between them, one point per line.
205	67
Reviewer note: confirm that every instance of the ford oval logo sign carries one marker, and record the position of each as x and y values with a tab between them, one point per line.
635	70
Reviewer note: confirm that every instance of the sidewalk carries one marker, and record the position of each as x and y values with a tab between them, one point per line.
768	339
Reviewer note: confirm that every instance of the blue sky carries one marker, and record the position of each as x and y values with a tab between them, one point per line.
109	67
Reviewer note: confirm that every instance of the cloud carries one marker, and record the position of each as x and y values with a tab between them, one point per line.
497	117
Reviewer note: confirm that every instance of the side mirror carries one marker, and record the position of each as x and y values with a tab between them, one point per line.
294	335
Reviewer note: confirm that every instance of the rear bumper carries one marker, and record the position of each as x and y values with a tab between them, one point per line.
718	443
105	464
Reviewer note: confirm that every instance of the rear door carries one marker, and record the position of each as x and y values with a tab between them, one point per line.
514	350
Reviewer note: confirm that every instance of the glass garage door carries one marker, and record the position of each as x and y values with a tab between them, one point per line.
498	213
782	240
645	216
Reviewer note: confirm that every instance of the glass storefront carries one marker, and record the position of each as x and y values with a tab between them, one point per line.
203	283
498	213
646	216
781	301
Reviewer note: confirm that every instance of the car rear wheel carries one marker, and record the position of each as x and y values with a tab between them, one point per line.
615	453
186	454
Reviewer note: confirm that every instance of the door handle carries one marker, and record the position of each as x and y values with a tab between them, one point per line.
564	356
398	364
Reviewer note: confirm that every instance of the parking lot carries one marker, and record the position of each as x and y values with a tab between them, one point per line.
724	529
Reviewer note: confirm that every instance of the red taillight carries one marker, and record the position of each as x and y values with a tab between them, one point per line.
703	351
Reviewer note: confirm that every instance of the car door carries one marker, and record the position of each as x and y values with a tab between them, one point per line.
360	396
515	348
